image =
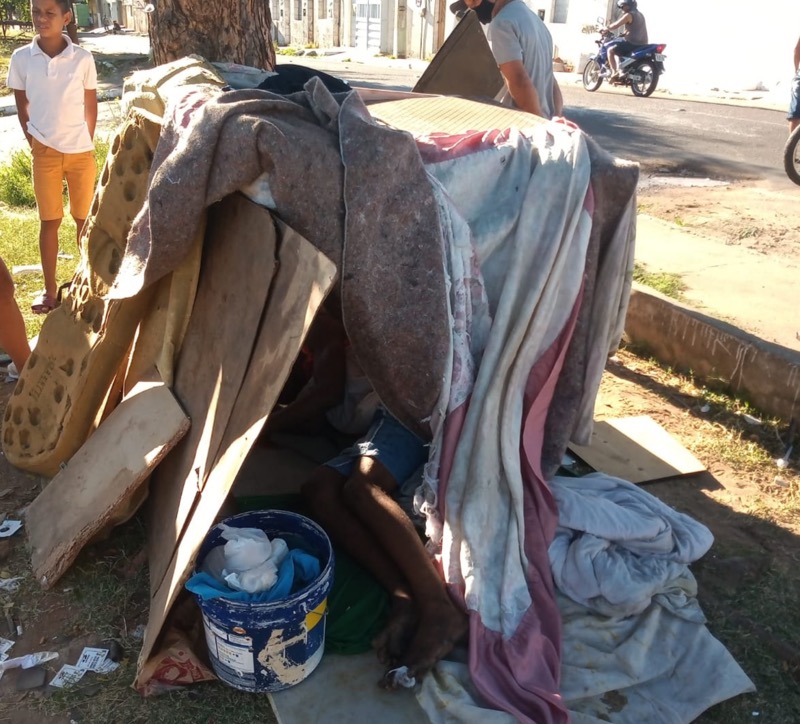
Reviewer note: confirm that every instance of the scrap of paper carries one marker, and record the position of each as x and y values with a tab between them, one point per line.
107	667
91	659
68	676
9	527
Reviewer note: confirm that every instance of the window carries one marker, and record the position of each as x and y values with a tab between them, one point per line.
298	9
322	13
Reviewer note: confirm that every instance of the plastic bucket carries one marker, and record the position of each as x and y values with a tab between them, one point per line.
264	647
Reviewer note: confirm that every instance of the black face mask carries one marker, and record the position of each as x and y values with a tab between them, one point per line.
484	12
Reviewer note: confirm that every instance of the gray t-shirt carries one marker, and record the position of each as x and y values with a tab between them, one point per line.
636	32
517	33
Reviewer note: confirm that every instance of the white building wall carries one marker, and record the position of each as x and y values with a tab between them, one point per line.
726	44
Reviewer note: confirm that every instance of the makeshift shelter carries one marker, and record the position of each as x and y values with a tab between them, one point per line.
483	273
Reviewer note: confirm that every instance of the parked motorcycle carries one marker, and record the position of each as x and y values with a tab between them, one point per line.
791	156
640	70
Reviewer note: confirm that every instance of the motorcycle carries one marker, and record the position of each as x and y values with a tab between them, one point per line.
791	156
640	70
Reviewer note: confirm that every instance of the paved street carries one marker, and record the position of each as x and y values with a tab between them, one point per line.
734	140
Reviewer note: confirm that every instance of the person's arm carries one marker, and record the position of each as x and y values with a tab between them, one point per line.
797	56
90	109
21	99
520	87
624	20
558	99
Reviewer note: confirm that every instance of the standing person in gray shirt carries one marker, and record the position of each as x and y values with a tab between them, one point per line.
523	49
635	34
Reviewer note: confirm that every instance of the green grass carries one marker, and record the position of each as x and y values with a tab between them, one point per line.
667	283
287	51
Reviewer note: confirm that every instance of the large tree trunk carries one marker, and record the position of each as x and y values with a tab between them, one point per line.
72	27
233	31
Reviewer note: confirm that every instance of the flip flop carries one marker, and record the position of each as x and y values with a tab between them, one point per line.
44	303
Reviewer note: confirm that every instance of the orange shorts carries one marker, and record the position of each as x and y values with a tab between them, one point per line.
50	168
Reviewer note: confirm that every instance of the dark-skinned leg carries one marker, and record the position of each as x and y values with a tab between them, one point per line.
441	624
323	493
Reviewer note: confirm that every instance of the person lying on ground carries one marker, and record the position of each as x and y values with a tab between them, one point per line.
352	498
13	338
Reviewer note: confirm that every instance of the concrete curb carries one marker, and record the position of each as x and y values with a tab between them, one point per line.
766	374
110	94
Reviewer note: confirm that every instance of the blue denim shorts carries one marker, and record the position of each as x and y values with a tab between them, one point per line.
399	450
794	103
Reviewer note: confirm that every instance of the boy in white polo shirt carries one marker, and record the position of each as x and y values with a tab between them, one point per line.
55	89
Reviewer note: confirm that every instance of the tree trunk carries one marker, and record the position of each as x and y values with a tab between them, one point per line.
72	27
232	31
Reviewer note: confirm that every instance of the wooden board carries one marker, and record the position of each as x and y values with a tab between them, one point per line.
303	279
235	277
636	449
102	478
464	65
441	114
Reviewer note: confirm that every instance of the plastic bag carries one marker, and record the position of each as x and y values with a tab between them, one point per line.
251	559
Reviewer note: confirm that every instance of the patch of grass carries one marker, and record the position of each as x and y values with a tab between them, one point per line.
110	595
116	702
287	51
678	221
667	283
16	181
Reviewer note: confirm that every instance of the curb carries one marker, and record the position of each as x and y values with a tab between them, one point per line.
111	94
766	374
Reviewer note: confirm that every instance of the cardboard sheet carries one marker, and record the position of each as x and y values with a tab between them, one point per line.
636	449
303	278
464	65
235	277
102	478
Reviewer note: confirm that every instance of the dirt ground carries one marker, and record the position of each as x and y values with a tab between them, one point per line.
744	214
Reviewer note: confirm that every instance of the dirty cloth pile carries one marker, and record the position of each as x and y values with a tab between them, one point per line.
631	620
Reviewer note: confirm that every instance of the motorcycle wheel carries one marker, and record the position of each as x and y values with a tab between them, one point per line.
791	156
592	79
644	79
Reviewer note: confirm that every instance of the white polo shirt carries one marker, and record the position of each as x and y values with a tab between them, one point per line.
55	89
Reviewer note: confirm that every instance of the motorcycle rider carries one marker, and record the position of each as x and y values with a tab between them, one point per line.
634	35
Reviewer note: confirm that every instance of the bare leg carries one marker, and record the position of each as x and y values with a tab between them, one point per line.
441	624
323	492
48	248
79	224
612	60
794	123
13	338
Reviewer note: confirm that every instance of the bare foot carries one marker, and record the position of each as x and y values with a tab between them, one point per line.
391	643
440	628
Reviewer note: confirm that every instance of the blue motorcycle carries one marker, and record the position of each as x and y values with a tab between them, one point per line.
640	70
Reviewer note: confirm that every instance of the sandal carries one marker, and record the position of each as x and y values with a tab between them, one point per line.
44	304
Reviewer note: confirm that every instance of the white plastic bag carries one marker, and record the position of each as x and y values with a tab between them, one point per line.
251	559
